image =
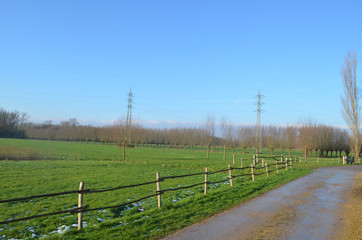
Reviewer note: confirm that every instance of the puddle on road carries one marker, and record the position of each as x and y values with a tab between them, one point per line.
320	210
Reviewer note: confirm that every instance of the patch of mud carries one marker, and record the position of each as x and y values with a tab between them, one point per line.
277	227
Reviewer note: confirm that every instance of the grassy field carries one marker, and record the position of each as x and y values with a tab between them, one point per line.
100	166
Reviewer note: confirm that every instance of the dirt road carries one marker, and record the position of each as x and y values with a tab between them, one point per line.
312	207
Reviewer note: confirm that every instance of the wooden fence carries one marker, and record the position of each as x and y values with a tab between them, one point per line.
259	163
320	160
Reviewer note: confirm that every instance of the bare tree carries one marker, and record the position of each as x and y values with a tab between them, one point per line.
120	133
308	137
271	138
291	136
342	142
227	134
245	136
210	129
11	124
174	136
350	101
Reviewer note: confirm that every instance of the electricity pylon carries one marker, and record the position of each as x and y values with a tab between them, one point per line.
258	125
129	116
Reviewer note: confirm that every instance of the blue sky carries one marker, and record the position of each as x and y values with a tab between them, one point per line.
182	59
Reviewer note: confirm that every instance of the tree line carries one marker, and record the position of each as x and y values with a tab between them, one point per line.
311	137
12	124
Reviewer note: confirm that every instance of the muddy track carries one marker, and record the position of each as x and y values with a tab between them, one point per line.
312	207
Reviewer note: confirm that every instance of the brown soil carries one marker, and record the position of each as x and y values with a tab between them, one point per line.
276	227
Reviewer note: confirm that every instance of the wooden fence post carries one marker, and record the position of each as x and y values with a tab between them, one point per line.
266	169
281	158
276	165
241	162
262	162
286	164
252	172
254	159
80	204
291	163
205	187
158	189
230	176
233	158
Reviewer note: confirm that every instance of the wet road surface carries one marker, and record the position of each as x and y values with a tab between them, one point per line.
307	208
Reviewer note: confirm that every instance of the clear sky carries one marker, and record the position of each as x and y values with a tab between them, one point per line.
182	59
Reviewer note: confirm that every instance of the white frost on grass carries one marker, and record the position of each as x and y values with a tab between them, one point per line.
30	229
176	200
61	229
76	224
118	225
140	219
33	235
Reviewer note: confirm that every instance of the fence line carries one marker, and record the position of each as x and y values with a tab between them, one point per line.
219	171
81	192
44	195
73	210
121	187
180	176
120	205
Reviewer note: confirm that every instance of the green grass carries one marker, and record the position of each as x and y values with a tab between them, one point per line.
99	166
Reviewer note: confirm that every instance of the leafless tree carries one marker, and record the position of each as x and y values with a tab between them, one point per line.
210	131
245	133
342	141
271	138
174	136
120	133
350	101
291	133
11	124
308	137
227	135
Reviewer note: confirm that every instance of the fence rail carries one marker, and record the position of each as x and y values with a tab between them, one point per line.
81	192
121	187
44	195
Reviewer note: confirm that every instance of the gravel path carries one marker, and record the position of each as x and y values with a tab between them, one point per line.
307	208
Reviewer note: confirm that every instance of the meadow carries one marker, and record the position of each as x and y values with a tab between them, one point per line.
63	165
